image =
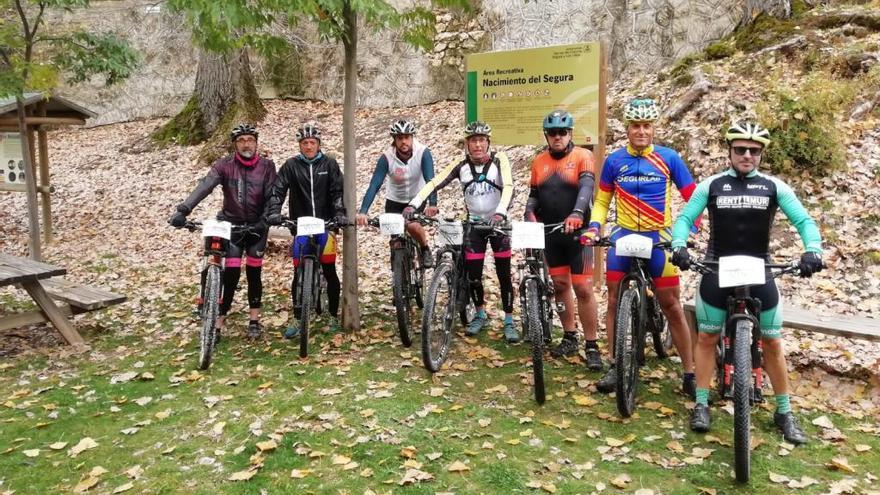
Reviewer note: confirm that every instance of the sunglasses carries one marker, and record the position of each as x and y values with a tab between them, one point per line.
557	132
246	140
742	150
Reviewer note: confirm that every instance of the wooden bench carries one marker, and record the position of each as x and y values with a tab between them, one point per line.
42	283
851	326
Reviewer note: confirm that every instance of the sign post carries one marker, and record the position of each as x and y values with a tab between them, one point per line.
514	90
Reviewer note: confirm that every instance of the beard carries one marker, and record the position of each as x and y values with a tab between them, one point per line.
247	154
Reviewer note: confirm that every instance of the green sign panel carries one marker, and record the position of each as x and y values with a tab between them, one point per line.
512	91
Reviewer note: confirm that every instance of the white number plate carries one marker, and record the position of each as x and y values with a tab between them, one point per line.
735	271
216	228
391	223
527	235
309	226
450	233
634	246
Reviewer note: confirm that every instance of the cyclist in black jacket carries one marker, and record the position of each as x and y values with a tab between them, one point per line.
313	182
246	179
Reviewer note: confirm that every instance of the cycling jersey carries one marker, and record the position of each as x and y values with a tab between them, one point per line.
246	188
487	188
642	182
741	214
314	187
560	187
403	179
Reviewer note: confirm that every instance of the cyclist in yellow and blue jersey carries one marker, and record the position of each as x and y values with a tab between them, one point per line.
641	177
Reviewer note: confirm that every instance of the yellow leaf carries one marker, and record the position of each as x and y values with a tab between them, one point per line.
498	389
823	422
621	480
513	441
31	453
458	467
526	433
350	466
84	485
665	411
408	452
267	446
264	386
675	446
300	473
862	447
123	488
58	445
366	413
83	445
97	471
841	464
484	422
613	442
549	488
340	460
316	454
163	414
242	475
366	473
778	478
433	456
584	400
707	491
436	391
412	464
218	428
652	405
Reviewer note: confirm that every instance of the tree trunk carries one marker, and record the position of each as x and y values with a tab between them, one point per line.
224	95
30	182
351	317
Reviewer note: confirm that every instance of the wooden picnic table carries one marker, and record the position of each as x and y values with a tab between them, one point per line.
28	274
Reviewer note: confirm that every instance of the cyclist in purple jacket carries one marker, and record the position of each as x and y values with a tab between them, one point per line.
246	179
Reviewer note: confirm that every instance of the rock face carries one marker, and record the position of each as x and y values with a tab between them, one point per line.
642	35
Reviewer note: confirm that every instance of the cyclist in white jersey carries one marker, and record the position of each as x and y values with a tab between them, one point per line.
487	185
404	168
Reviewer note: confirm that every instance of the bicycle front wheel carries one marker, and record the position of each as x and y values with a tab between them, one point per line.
306	295
439	315
402	306
210	314
536	331
626	349
742	395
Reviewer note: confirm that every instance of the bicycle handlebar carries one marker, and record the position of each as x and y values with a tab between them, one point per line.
706	267
329	224
240	229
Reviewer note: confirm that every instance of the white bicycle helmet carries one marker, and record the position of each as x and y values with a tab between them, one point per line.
749	131
308	130
641	110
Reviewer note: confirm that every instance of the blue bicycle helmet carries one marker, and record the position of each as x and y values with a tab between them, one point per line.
558	119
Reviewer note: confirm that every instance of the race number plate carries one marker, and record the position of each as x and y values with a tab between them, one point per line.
309	226
735	271
527	235
450	233
634	246
391	223
216	228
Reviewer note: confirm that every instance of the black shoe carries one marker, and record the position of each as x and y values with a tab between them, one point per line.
791	430
425	257
689	386
594	359
608	383
700	419
255	330
567	346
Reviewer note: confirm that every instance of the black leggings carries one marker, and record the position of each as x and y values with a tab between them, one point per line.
475	277
334	289
230	284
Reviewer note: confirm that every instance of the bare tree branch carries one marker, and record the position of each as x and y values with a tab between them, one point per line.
39	19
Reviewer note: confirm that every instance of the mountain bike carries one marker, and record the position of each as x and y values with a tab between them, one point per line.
739	354
309	286
217	235
536	294
448	293
638	315
407	274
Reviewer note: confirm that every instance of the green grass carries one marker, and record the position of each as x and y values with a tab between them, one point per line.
517	443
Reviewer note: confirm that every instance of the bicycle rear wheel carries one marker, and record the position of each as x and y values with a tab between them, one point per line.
210	314
439	315
626	349
402	306
306	281
659	329
742	394
417	276
536	330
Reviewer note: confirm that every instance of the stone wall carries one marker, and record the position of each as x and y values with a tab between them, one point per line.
642	35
